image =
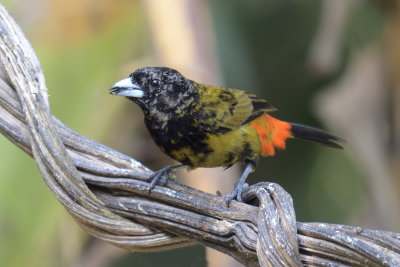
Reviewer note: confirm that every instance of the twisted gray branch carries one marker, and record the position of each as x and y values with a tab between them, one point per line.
107	192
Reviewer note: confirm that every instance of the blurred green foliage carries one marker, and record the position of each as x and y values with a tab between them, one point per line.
77	77
187	256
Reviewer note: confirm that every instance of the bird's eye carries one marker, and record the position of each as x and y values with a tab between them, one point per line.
155	83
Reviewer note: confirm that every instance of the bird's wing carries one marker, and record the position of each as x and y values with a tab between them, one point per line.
221	110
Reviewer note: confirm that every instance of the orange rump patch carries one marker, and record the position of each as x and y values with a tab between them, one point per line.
272	133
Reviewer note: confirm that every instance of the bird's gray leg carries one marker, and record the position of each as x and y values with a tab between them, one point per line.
237	189
161	176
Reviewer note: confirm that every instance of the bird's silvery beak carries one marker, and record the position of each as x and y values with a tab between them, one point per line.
126	87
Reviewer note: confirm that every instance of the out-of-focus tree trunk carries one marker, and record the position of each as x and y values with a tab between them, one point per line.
325	50
358	104
183	39
393	56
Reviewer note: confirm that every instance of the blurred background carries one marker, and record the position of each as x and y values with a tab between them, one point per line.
333	64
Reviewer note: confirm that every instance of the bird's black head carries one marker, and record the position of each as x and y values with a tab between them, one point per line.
157	89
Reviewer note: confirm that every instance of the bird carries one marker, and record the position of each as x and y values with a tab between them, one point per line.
202	125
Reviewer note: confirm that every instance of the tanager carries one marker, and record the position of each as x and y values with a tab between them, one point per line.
203	125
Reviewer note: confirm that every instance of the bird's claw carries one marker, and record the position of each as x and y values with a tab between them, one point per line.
160	177
236	192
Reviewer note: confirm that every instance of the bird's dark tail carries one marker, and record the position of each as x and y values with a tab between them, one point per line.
315	135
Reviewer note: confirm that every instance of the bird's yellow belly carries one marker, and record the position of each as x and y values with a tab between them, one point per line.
223	149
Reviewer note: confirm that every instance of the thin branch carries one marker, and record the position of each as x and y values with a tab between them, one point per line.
107	192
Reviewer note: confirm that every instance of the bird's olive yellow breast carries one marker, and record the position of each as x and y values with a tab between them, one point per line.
189	144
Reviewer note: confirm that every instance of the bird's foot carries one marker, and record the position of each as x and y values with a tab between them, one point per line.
240	184
161	176
236	192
